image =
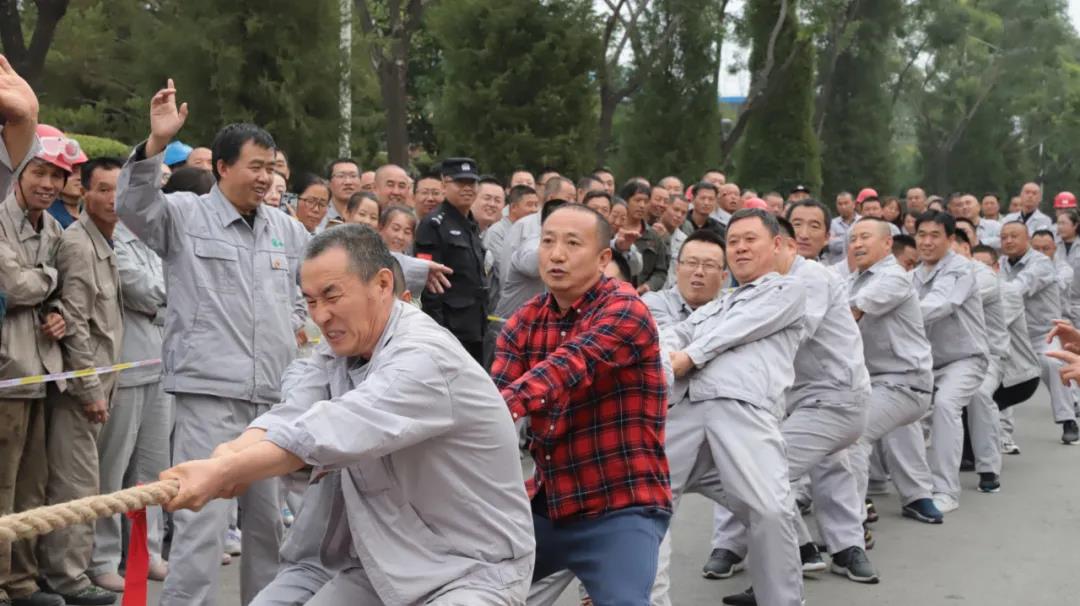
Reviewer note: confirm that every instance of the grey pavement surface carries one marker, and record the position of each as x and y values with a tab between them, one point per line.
1017	547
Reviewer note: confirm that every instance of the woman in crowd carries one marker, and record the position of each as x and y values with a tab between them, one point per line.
397	226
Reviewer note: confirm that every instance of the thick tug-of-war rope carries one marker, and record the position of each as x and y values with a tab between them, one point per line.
44	520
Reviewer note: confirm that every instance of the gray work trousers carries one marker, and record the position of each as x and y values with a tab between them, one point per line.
1061	396
71	443
893	423
351	587
202	423
984	422
133	448
817	435
734	453
955	384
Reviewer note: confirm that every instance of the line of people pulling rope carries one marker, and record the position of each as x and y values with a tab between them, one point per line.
407	447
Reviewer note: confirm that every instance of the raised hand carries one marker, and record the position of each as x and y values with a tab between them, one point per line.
165	119
18	103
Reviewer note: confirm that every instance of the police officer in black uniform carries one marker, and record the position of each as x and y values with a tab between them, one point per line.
450	235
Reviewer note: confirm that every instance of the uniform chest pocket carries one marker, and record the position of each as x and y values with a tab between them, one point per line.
280	276
217	265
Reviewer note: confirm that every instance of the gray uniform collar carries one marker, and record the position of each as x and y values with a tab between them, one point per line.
21	221
228	214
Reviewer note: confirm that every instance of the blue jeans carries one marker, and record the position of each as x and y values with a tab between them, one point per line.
614	556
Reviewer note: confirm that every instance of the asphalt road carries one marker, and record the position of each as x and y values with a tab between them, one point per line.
1016	547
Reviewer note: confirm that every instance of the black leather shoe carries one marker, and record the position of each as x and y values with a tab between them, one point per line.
745	598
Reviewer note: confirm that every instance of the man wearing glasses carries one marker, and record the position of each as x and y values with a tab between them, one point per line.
344	177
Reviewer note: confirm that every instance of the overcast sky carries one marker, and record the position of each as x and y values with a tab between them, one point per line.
738	84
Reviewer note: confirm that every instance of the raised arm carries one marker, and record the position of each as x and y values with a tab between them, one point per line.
19	107
140	203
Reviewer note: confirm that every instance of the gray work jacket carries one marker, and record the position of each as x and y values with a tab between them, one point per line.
432	492
952	310
1034	272
234	304
1022	363
29	279
829	365
90	296
142	283
895	345
743	344
997	332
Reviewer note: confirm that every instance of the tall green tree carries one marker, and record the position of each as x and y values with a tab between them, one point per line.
854	117
270	62
673	121
778	149
518	86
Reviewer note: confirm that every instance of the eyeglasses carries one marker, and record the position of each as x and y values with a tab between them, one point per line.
708	266
316	203
345	176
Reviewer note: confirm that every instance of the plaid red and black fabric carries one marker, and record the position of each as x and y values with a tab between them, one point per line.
591	381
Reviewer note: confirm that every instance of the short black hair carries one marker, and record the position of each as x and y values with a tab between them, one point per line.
767	219
489	180
902	241
1043	232
598	193
305	180
703	235
584	182
603	228
787	229
366	250
634	187
231	139
333	163
811	203
959	220
933	216
428	176
399	277
354	200
961	236
705	185
191	179
517	193
982	248
388	215
103	163
623	265
551	188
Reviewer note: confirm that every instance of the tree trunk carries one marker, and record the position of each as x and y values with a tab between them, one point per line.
608	104
392	77
345	83
30	62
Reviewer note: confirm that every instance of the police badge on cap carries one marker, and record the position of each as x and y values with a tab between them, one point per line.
460	169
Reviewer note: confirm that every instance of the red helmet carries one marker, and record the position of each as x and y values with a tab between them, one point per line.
1065	200
57	149
864	193
755	202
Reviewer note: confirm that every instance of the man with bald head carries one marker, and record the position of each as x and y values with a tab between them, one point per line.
916	200
897	352
673	184
727	202
391	186
1029	213
1034	273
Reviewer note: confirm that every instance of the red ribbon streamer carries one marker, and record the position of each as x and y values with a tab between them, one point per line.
138	561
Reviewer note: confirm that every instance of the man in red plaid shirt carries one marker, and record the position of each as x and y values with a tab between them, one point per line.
583	363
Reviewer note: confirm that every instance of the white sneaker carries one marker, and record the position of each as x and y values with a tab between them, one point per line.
232	541
1009	447
946	503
